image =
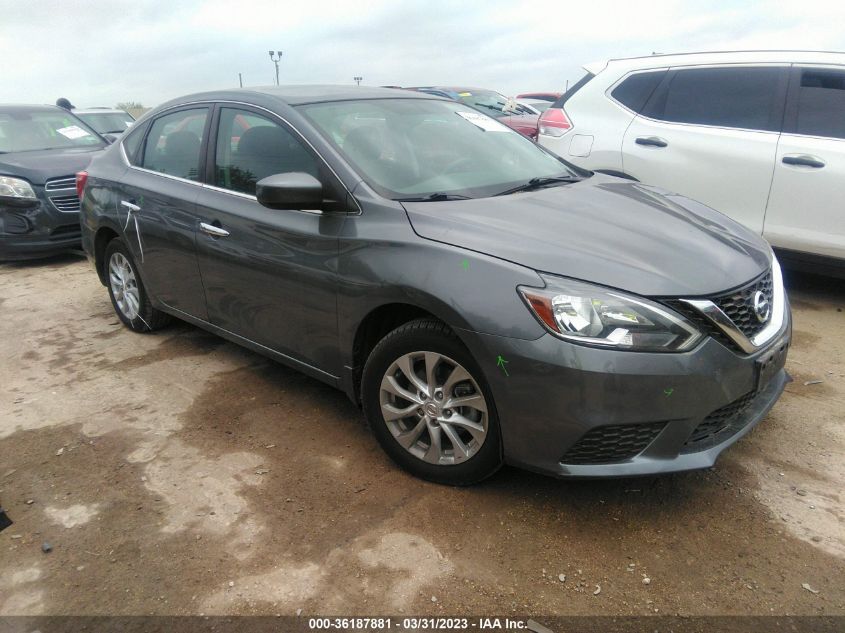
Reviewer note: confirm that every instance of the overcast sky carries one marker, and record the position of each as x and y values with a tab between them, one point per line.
100	52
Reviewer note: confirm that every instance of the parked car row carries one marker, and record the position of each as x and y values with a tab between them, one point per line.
482	299
520	117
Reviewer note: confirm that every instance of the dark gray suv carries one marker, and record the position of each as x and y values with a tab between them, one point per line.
482	299
41	150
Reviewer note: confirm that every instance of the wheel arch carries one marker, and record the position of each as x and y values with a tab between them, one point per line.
102	237
376	324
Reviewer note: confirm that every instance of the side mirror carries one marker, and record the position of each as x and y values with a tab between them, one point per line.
293	190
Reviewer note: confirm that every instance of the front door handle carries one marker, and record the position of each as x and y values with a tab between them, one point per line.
213	231
651	141
804	160
129	205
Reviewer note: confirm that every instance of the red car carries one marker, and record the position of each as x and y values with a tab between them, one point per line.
491	103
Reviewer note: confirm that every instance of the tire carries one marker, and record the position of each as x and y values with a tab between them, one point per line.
424	416
127	293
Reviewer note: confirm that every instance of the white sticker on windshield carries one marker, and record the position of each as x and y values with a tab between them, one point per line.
72	131
484	122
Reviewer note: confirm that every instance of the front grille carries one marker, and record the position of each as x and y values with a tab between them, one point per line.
739	305
719	425
704	325
66	231
609	444
66	204
57	184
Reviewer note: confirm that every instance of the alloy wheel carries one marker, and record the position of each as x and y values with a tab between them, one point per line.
124	286
434	408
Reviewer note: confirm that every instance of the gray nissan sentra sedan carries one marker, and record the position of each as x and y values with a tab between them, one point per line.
483	300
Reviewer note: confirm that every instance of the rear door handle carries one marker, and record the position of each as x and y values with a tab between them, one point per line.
804	160
213	231
651	141
129	205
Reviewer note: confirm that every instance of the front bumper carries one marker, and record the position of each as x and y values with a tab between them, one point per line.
37	231
574	411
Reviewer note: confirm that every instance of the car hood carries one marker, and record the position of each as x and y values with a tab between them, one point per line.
39	167
605	230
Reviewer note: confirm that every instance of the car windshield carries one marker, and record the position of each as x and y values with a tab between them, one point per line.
23	131
105	122
491	103
418	147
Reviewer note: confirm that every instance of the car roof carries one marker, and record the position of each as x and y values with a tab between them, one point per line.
454	89
299	95
664	60
20	108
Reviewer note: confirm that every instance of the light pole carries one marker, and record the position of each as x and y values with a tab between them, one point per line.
276	61
358	80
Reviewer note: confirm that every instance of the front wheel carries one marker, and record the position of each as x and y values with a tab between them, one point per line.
429	406
128	295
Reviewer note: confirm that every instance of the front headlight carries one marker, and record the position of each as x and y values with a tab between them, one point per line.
592	315
15	188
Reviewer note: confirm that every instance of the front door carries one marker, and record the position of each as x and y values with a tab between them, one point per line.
269	275
805	206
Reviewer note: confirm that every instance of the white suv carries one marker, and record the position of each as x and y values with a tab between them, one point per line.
759	136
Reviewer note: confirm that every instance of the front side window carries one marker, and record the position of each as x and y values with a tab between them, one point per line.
174	142
34	130
821	103
408	148
251	147
747	98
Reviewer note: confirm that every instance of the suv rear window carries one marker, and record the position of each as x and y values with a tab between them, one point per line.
747	98
821	103
634	91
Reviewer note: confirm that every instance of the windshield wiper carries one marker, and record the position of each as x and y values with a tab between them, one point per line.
434	197
536	183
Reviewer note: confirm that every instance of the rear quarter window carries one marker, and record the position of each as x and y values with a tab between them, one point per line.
635	90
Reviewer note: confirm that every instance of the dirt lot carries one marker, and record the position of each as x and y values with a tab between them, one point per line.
175	473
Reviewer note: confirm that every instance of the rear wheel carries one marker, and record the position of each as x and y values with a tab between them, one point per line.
429	407
128	295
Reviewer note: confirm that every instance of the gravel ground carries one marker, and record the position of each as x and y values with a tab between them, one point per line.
175	473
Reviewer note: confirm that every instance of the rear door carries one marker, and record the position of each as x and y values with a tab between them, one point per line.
157	207
711	133
805	205
269	274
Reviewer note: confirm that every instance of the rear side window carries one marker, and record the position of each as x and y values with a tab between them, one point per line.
174	142
821	103
747	98
634	91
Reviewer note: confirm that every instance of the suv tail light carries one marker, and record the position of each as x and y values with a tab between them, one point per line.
81	181
554	122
